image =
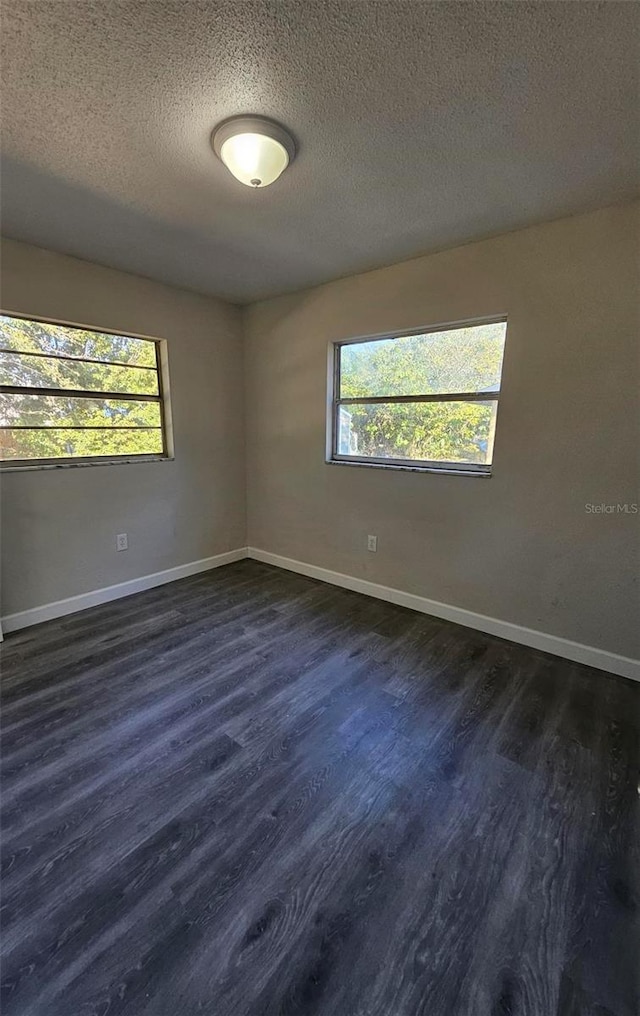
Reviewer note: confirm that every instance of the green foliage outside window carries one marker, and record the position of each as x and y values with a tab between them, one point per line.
37	355
457	361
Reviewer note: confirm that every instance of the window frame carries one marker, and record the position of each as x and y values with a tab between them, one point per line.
162	399
334	402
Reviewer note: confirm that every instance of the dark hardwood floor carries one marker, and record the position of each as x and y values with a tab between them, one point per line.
252	794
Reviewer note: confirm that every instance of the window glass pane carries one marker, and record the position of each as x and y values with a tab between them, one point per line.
59	443
69	411
460	432
48	372
455	361
61	340
68	425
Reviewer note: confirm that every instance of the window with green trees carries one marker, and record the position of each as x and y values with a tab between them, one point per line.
427	400
70	394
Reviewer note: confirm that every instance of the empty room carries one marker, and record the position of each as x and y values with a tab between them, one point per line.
319	504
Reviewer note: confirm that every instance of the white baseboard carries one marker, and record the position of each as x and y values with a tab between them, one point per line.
575	651
49	611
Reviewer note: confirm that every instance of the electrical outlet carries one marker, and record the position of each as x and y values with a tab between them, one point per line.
372	543
122	541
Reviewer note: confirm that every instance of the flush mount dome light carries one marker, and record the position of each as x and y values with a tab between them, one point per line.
256	150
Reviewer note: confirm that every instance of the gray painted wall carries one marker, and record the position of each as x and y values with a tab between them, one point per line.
519	546
59	526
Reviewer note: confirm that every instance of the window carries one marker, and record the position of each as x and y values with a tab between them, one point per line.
427	400
71	395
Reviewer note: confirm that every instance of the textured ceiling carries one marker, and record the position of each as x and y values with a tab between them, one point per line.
420	126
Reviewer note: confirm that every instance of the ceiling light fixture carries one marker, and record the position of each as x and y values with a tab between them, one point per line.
256	150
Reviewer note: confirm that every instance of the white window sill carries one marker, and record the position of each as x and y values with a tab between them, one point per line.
84	463
401	467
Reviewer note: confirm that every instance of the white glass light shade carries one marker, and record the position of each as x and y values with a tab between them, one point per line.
254	159
255	149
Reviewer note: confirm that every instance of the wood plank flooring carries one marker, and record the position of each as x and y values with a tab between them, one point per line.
249	793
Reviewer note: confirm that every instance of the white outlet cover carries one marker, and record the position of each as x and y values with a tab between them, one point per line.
372	543
122	541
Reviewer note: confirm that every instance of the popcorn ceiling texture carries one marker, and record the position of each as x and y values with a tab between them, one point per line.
420	126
